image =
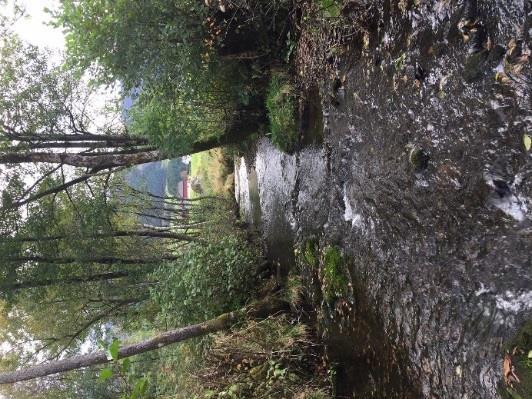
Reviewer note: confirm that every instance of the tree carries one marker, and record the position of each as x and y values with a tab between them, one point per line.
49	125
170	55
260	309
82	256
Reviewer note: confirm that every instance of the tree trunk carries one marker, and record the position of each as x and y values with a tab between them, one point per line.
104	260
69	280
93	161
112	234
245	123
260	309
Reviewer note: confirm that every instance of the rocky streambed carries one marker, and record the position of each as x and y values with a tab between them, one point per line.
412	222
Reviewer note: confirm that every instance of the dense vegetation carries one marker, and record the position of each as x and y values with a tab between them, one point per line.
90	259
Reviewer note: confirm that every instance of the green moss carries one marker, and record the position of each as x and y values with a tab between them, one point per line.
521	345
335	277
310	253
281	105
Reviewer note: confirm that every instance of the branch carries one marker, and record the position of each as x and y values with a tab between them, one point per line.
70	280
61	187
106	260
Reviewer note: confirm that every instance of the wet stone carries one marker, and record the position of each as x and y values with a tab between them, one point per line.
418	158
475	66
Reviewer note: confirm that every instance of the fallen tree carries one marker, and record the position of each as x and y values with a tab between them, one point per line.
260	309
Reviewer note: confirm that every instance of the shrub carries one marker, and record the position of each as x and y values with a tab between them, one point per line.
208	280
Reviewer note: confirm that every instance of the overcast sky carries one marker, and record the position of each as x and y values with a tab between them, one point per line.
33	28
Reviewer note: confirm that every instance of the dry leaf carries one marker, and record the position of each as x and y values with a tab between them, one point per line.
509	373
527	141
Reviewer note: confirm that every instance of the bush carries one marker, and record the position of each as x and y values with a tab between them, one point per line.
281	105
208	280
194	105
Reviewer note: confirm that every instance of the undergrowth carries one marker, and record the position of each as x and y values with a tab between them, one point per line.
273	358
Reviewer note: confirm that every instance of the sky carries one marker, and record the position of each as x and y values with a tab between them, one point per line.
33	28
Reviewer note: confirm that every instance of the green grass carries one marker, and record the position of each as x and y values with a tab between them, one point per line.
212	171
198	164
335	278
281	105
310	253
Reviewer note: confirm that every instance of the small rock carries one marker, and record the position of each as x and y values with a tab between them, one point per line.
418	158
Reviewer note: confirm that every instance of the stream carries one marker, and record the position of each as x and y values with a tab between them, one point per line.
424	183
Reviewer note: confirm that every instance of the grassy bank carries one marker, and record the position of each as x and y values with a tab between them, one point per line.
213	170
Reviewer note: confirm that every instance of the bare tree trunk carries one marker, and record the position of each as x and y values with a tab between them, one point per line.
104	260
244	125
118	233
69	280
260	309
93	161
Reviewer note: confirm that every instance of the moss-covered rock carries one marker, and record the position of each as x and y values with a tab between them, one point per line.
281	106
418	158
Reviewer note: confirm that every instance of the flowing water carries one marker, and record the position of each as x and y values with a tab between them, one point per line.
425	184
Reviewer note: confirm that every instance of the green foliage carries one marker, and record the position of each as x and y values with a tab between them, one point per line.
34	92
281	105
121	373
167	51
310	253
133	40
57	304
105	374
192	106
208	280
335	277
330	8
113	349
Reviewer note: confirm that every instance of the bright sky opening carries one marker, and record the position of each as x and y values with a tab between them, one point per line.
34	27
